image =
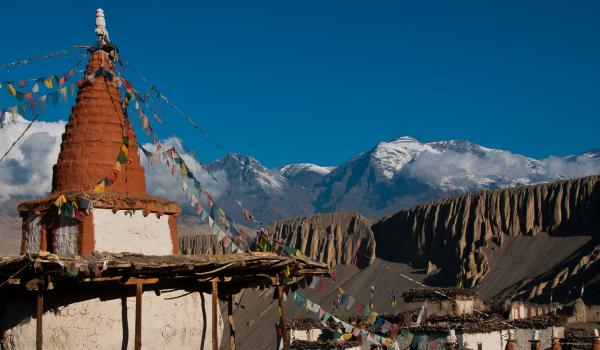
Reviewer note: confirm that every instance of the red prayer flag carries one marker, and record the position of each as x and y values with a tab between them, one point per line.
360	308
394	331
332	275
209	199
247	214
128	86
322	285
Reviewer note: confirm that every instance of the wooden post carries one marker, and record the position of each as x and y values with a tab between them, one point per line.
215	305
286	343
39	314
231	322
138	314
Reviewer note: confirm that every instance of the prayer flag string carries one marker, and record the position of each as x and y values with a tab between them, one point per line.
349	330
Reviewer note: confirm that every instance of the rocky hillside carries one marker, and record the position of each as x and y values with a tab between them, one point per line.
459	233
340	238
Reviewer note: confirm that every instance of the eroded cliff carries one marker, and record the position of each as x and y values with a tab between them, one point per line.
338	238
453	232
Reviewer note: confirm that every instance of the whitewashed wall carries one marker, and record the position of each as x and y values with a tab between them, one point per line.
126	231
32	232
98	324
497	340
309	334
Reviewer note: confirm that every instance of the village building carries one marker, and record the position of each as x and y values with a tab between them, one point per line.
100	255
518	309
437	302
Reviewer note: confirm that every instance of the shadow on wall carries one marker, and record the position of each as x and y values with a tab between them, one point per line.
107	311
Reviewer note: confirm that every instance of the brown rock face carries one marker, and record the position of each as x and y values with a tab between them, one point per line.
202	244
452	232
93	138
340	238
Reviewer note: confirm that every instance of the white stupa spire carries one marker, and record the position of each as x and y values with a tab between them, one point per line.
101	31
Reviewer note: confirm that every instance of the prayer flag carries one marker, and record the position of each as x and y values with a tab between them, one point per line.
351	301
359	308
49	82
60	201
322	285
63	94
117	168
100	187
199	207
145	122
11	89
247	214
72	89
35	88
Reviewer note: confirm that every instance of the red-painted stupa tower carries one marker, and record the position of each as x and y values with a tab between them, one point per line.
94	135
98	200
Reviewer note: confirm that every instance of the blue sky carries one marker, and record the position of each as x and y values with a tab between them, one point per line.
321	81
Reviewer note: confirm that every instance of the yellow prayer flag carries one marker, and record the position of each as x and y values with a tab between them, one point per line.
372	318
60	200
11	89
49	82
125	150
63	93
99	187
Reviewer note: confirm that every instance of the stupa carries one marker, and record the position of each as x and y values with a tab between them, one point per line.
99	203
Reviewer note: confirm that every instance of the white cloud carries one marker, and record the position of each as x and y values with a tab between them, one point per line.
27	169
467	171
160	182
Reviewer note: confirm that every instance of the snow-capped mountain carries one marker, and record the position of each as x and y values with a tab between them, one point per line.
403	172
591	154
267	193
304	174
392	175
388	158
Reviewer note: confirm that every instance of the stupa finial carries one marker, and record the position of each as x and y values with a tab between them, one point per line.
101	31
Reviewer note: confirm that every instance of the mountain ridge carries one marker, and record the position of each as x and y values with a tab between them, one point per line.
403	172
